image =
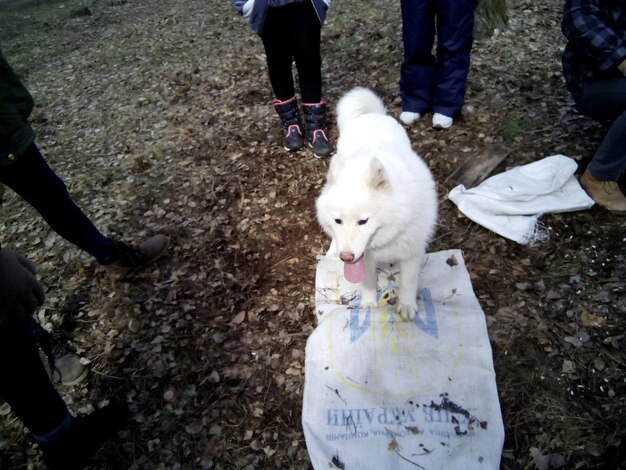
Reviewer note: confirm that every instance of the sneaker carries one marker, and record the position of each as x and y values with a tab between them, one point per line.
605	193
130	259
66	370
408	117
63	367
75	447
441	121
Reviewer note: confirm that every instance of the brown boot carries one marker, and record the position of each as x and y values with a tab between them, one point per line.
605	193
129	259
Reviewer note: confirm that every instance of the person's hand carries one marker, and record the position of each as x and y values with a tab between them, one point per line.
20	291
246	11
622	67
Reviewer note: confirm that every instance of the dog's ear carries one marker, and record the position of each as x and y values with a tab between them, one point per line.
377	177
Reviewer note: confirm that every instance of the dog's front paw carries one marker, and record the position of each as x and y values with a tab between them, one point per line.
368	299
407	312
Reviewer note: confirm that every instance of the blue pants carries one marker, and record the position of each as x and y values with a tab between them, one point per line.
605	101
25	384
32	178
436	83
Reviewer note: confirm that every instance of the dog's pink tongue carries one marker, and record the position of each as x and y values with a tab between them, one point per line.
354	272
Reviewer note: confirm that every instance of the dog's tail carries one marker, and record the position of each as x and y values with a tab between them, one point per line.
357	102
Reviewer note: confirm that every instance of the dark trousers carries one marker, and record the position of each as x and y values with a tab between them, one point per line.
605	101
292	33
32	178
25	385
429	83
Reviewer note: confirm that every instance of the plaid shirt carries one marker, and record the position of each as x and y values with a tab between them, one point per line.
596	34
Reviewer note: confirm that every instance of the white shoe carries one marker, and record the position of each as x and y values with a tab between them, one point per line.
441	121
407	117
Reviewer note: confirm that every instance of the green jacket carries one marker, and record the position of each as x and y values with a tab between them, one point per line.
16	104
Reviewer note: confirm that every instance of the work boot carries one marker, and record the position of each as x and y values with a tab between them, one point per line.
292	126
129	259
605	193
76	445
315	128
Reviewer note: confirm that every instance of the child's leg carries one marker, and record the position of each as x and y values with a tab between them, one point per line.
455	24
276	36
305	30
418	66
32	178
279	53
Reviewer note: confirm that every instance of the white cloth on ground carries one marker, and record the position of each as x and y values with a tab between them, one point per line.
511	203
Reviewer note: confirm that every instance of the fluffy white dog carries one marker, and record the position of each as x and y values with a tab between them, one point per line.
379	202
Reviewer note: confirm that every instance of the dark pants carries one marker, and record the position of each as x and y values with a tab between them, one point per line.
429	83
25	385
605	101
292	33
32	178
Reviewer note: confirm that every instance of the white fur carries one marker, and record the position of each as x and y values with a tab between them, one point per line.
375	176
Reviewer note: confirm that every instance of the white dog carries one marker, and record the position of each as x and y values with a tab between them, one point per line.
379	202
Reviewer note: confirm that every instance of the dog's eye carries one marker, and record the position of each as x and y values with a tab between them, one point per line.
338	221
362	221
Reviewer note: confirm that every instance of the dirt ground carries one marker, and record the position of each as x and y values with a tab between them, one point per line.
157	115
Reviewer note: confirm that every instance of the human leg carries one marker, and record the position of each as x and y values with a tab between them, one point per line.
67	442
279	53
605	101
32	178
418	66
304	33
455	23
25	384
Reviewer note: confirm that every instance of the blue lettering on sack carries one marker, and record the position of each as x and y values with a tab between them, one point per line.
429	325
358	329
362	416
